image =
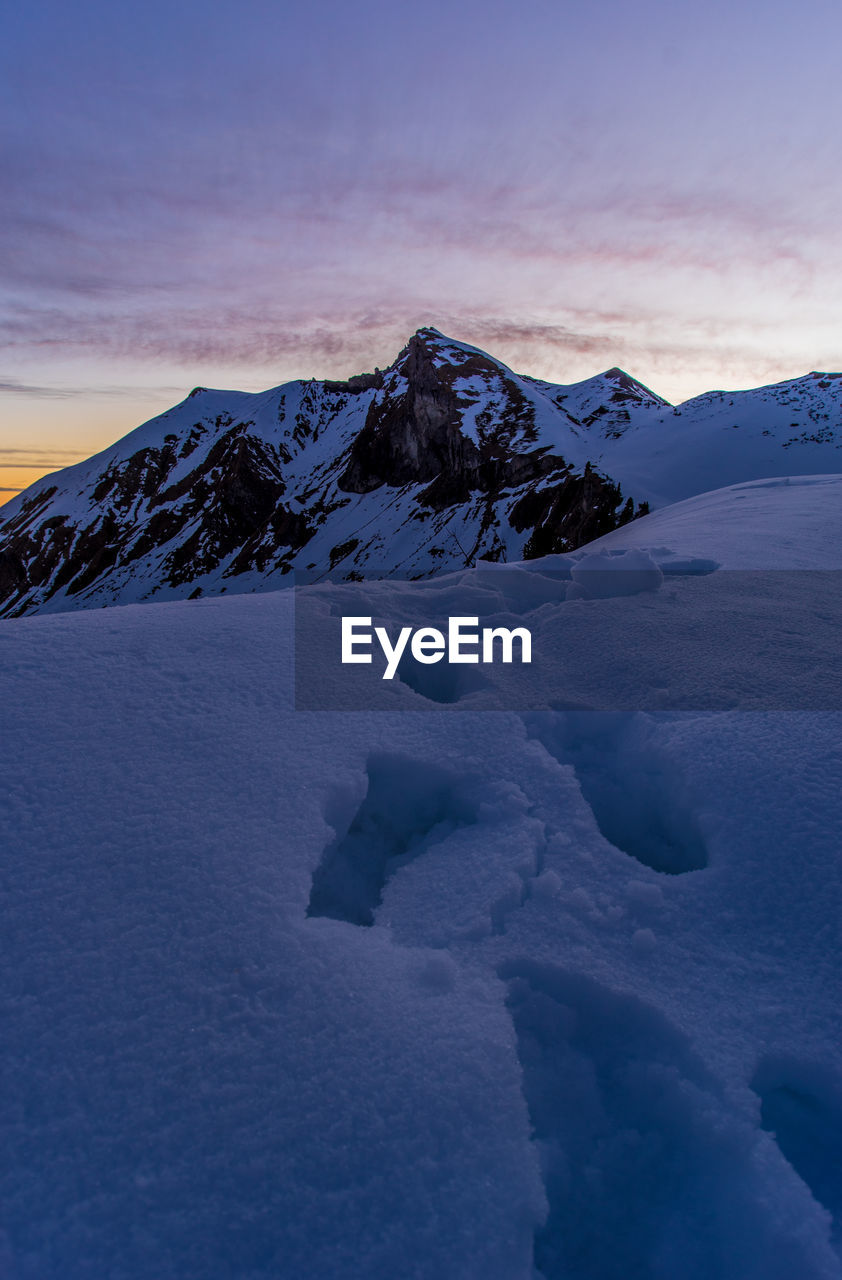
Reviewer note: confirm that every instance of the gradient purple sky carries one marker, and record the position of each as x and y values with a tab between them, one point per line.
237	195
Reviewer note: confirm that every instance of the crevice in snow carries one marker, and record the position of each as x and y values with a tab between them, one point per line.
801	1106
630	784
611	1090
648	1171
442	682
409	805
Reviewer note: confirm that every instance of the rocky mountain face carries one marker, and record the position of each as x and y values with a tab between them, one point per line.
445	458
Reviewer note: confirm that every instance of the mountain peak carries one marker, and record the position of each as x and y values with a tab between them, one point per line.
631	388
430	349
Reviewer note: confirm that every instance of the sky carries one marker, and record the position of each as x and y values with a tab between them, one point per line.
235	195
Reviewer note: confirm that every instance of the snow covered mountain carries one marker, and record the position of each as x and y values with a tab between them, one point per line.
445	458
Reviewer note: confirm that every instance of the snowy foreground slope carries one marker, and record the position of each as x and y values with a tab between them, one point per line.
448	994
789	522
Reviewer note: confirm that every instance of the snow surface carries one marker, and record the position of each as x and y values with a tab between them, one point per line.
788	522
445	995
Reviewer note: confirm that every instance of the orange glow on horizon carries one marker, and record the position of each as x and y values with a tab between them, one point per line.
19	477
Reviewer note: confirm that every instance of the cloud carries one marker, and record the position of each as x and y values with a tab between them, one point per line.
11	386
39	459
324	269
43	391
275	344
527	336
239	336
147	233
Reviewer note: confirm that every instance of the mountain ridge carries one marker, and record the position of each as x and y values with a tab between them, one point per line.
445	457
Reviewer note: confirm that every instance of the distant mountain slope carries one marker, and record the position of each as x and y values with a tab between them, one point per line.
444	458
725	437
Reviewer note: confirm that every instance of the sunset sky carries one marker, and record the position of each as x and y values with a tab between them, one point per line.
239	194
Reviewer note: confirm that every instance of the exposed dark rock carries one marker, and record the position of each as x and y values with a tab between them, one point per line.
415	436
565	516
13	579
97	550
141	476
342	550
358	383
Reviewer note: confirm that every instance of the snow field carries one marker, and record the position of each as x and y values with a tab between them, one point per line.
433	995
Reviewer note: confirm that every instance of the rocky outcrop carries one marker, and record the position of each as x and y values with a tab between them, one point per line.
566	515
415	434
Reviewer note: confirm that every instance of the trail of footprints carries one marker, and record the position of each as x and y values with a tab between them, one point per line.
618	1103
411	804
